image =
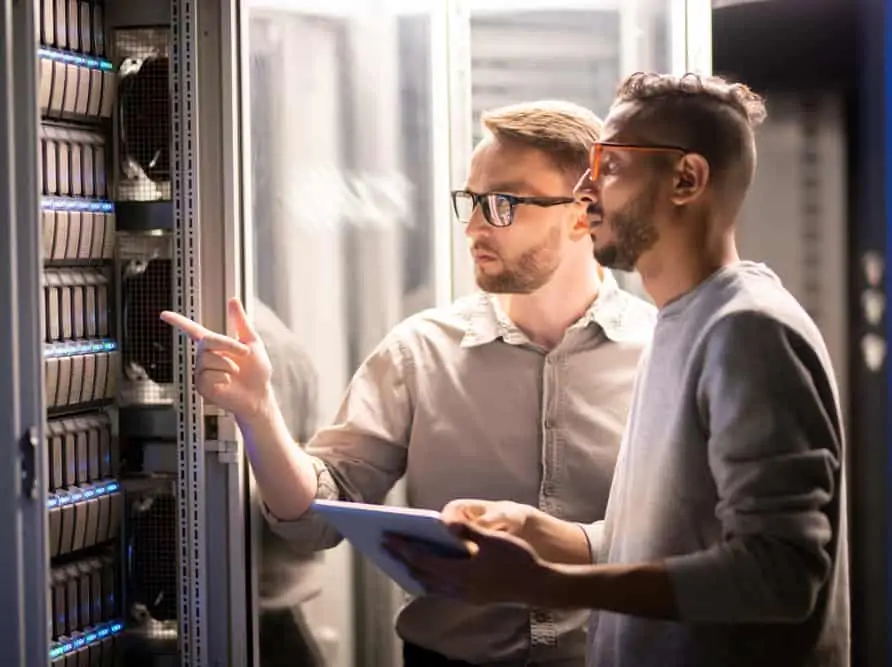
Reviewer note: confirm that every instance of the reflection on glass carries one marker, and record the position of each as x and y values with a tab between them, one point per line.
341	171
575	50
341	168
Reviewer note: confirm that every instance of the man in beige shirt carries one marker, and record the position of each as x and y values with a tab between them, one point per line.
519	391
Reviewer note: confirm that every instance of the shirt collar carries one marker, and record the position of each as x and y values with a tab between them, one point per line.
611	311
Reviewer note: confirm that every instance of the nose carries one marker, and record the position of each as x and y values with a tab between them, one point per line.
587	191
476	224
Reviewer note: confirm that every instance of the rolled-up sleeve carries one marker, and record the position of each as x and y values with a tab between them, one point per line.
775	453
594	535
363	453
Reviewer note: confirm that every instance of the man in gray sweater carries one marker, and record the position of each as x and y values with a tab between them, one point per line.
724	542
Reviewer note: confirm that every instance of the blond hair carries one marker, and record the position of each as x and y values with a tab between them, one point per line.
562	130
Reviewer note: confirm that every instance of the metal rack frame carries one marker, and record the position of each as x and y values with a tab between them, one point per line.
187	300
214	619
22	458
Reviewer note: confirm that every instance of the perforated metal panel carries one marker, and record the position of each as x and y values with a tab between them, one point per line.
151	565
143	164
191	478
145	274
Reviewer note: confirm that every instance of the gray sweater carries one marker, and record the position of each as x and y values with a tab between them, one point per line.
731	472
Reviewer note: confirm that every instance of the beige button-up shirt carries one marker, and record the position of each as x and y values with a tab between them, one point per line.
461	403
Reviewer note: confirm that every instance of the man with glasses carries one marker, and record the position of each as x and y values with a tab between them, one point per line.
519	391
725	536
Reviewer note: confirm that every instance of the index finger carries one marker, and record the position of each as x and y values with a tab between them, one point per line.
193	329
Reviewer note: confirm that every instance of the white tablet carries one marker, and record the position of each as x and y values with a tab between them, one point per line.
365	526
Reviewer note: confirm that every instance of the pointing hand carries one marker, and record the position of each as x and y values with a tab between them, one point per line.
232	373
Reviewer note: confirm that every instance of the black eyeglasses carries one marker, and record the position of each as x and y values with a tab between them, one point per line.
498	208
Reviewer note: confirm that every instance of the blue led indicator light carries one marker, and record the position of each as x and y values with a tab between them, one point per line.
63	497
93	636
83	205
75	348
74	59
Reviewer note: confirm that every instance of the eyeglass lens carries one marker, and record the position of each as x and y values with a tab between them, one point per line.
495	208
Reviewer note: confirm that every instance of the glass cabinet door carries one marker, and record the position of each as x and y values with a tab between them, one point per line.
342	151
360	116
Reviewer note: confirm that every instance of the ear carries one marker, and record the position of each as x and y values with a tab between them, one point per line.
690	179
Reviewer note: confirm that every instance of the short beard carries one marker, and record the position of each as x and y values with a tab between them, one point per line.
527	273
635	233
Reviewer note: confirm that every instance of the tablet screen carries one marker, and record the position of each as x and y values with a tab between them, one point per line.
365	526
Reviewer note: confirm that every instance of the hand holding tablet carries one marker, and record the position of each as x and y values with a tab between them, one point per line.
367	526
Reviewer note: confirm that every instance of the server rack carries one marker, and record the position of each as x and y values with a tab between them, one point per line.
90	451
826	146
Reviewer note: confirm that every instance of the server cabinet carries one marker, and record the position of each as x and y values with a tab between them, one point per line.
870	283
112	456
823	173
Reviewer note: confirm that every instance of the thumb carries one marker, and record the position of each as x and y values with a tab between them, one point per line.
490	519
239	320
461	510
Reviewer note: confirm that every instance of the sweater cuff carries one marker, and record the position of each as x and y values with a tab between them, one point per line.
700	587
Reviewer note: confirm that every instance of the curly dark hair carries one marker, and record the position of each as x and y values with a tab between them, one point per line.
705	114
694	88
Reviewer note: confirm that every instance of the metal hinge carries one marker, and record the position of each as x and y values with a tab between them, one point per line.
219	432
28	462
227	450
